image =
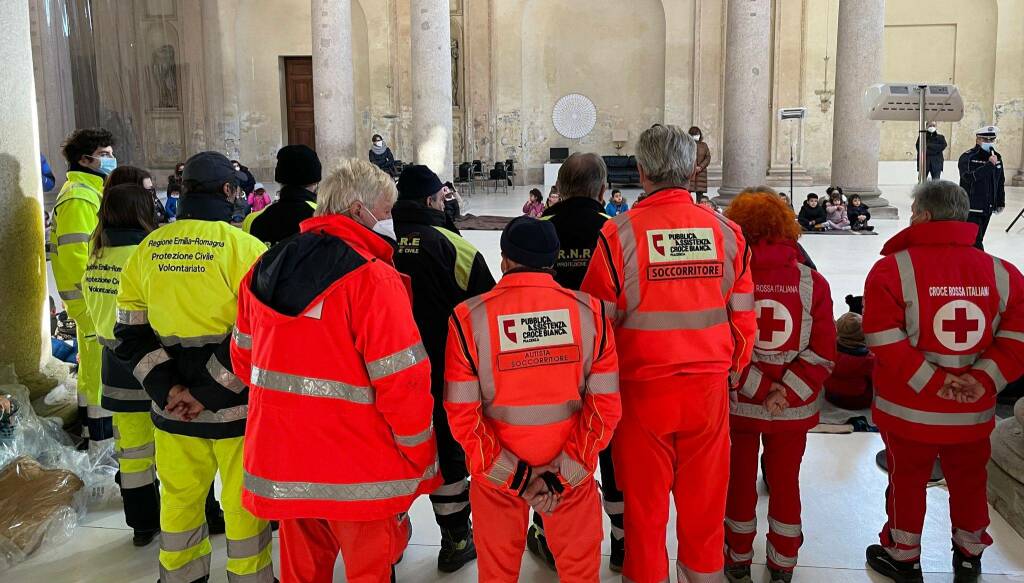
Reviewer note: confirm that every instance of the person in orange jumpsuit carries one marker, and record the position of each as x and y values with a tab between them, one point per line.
777	399
677	277
532	394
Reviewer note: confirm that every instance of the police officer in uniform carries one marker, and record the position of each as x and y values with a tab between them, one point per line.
445	270
981	175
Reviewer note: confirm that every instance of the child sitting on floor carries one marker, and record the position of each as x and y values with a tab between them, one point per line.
812	217
835	208
850	385
859	215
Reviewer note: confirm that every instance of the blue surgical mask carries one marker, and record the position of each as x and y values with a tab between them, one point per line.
986	146
107	165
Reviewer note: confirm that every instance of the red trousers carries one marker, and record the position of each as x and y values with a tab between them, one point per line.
309	549
673	439
573	532
783	452
910	466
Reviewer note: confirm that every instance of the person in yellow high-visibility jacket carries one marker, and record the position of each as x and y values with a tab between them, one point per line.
90	157
176	308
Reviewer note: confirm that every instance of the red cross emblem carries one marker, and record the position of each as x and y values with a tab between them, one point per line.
774	324
959	325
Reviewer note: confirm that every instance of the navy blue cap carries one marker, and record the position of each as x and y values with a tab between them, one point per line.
209	168
530	242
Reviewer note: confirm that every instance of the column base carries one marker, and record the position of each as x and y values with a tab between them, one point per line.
1018	180
778	177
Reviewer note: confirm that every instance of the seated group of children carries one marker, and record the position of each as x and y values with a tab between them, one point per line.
835	214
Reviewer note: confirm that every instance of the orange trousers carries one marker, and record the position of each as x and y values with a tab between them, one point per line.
673	439
309	549
573	531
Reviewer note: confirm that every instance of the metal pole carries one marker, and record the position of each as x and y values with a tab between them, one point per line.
922	139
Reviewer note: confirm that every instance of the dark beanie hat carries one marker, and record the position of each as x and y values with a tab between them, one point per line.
530	242
297	165
418	182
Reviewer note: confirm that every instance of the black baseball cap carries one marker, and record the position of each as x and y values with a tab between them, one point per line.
211	168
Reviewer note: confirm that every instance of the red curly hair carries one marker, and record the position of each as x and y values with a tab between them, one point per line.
763	216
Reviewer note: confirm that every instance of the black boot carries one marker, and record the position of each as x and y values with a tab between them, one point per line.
457	549
738	574
618	556
214	515
142	538
777	576
537	544
899	571
965	569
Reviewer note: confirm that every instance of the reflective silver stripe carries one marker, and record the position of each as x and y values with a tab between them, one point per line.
397	362
571	470
417	439
991	368
51	250
98	412
614	508
264	575
312	387
814	359
462	392
798	385
1018	336
502	468
137	453
618	534
779	559
588	334
728	256
902	537
335	492
931	418
192	571
920	379
72	238
119	394
657	321
908	282
903	554
453	489
532	415
630	263
740	527
224	377
228	415
740	557
1002	283
780	357
242	340
449	508
742	302
951	360
750	386
192	341
149	362
111	343
969	541
784	529
806	304
132	317
75	294
757	411
176	542
131	480
248	548
891	336
481	336
605	383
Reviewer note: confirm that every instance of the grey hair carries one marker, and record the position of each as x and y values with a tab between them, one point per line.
582	175
354	180
943	199
667	154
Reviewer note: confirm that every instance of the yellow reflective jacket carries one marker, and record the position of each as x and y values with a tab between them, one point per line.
176	308
74	219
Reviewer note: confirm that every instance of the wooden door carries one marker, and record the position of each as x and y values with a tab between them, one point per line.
298	78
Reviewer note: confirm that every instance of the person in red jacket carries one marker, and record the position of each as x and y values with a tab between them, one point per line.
340	440
676	276
946	322
776	400
532	395
850	386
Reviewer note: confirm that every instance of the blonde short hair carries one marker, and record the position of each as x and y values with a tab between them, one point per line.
354	180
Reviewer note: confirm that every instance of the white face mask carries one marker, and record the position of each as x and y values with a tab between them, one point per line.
696	137
931	130
386	228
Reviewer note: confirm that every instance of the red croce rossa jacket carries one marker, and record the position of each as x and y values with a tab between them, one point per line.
340	408
935	305
795	345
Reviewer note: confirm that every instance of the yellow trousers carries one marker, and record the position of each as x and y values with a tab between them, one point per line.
187	466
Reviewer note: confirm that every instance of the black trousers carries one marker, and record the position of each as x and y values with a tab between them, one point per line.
451	501
982	220
934	169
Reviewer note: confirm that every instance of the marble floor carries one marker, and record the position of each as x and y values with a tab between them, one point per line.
842	487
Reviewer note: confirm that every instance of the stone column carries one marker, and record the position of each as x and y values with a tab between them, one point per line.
22	263
333	83
747	97
856	140
432	85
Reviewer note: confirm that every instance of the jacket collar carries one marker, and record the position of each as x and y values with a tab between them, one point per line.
767	254
933	234
528	278
666	196
87	177
125	237
292	192
351	232
417	213
572	204
205	207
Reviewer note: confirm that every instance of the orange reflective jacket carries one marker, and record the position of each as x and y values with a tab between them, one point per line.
532	379
676	275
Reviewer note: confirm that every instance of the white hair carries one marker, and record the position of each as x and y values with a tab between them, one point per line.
353	181
667	154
